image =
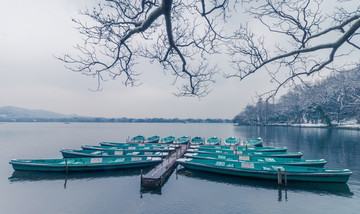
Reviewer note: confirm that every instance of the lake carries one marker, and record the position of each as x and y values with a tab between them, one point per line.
186	191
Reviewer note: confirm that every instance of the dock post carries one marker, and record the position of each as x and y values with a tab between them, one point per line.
65	182
279	176
279	194
285	178
66	166
245	147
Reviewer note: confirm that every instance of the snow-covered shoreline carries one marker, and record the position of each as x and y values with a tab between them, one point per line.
311	125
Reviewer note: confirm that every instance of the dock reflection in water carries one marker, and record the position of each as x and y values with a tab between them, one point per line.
338	189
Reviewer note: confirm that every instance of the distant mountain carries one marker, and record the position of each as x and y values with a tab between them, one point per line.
11	112
16	114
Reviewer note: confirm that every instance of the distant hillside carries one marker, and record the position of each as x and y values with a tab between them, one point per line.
11	112
16	114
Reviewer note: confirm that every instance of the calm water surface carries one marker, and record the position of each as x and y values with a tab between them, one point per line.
186	191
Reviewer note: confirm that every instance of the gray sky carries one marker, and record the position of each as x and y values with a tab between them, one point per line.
33	31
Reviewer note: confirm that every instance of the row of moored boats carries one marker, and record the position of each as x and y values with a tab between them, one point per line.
231	157
196	140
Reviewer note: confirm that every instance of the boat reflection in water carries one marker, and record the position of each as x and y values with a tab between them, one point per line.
33	176
339	189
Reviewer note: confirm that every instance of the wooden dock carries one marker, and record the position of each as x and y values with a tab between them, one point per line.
158	176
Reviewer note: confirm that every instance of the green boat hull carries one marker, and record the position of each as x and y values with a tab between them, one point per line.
197	140
167	140
213	141
182	140
130	148
265	154
256	142
73	153
231	141
240	148
265	160
133	144
307	174
82	164
137	139
153	139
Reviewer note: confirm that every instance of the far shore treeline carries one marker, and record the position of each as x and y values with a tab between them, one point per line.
115	120
17	114
332	101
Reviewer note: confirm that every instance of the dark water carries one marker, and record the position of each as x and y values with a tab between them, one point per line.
185	191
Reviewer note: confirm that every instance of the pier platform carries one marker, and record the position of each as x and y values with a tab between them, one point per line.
157	176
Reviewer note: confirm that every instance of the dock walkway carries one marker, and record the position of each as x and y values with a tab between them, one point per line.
157	176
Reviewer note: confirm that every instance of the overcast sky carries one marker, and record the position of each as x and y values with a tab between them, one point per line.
32	32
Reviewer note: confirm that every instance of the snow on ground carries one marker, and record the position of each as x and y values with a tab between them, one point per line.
343	125
309	125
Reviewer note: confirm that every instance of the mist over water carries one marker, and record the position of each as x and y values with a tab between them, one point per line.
186	191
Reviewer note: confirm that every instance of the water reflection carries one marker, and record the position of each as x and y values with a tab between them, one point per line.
339	189
152	191
339	147
29	176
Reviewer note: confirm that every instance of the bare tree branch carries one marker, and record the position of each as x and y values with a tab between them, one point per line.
301	21
182	35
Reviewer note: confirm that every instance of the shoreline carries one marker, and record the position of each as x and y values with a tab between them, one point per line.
306	125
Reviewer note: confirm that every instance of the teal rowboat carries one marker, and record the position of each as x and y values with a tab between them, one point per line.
153	139
82	164
182	140
167	140
213	141
231	141
132	144
137	139
73	153
240	148
197	140
267	171
257	142
266	160
264	154
130	148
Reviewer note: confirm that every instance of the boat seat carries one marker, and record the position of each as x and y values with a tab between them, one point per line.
220	163
230	165
68	162
223	157
270	160
278	167
119	160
